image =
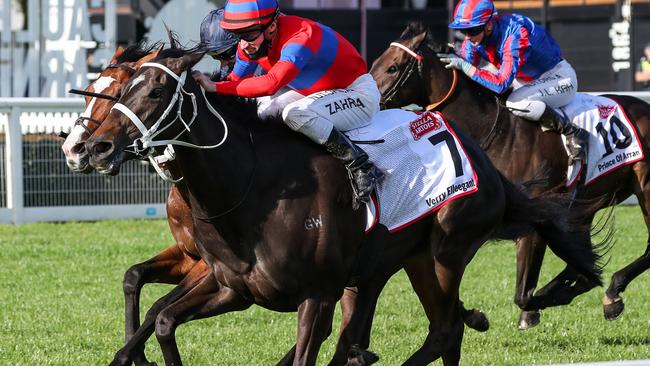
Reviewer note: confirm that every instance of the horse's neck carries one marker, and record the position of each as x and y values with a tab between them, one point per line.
473	109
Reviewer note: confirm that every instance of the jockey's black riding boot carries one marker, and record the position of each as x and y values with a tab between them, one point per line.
577	139
363	174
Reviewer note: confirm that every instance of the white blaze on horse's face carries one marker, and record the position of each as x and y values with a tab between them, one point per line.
73	158
135	82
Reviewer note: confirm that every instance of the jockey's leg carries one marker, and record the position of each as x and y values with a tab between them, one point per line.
323	115
536	101
273	105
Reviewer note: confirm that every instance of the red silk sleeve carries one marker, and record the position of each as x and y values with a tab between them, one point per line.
278	76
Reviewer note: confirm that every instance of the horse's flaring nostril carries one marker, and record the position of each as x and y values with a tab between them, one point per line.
79	148
101	148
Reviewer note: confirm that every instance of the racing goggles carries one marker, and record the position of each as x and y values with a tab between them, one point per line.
472	32
253	35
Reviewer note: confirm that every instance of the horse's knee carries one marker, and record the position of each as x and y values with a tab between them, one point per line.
165	326
132	280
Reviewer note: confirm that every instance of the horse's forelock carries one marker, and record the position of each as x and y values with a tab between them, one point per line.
137	51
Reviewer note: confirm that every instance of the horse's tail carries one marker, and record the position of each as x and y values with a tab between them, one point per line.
566	232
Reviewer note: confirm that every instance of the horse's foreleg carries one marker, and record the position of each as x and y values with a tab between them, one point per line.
530	254
314	324
135	345
170	266
347	301
358	309
206	299
612	302
446	327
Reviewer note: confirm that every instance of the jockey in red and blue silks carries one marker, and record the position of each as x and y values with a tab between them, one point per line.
527	59
316	80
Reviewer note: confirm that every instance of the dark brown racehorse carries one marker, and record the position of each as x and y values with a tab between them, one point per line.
522	152
181	263
251	194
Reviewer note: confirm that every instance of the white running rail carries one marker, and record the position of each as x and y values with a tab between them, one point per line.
31	188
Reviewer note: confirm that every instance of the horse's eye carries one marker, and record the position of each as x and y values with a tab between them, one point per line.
392	69
155	93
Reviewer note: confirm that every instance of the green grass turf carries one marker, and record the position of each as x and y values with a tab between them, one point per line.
61	304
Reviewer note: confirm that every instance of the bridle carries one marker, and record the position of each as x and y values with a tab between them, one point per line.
406	75
144	143
486	142
80	121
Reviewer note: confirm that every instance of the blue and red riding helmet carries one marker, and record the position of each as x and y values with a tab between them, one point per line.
472	13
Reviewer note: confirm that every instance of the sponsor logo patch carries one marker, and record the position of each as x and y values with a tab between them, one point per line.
605	110
424	124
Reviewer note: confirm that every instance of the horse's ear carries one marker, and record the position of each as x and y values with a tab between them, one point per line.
186	62
415	42
146	58
118	53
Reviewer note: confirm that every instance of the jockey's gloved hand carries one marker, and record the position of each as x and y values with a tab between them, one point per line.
204	81
454	61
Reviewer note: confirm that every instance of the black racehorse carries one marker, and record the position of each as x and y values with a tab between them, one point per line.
522	152
181	262
255	186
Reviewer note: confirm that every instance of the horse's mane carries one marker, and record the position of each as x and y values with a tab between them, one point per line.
137	51
245	109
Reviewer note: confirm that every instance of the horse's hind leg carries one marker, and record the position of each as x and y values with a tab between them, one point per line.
612	302
530	254
421	273
170	266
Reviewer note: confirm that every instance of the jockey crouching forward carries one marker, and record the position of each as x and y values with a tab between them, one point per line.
527	58
315	79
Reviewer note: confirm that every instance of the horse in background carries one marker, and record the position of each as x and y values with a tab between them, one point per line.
249	217
410	72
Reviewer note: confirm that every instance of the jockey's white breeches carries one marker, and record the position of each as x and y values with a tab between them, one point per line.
316	114
555	88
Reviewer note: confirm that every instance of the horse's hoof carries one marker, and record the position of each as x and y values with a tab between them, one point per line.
528	319
612	308
145	363
360	357
477	320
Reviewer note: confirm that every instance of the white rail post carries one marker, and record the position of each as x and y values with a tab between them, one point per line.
14	153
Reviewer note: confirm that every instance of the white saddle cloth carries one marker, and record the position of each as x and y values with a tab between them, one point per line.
613	141
425	165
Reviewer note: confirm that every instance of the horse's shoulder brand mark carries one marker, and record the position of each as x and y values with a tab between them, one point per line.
425	123
313	222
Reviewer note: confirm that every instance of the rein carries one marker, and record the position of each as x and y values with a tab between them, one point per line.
91	94
409	70
496	126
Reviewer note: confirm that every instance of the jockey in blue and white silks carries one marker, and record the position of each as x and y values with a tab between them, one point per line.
527	59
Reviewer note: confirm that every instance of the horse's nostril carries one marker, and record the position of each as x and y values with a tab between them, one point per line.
101	147
78	149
